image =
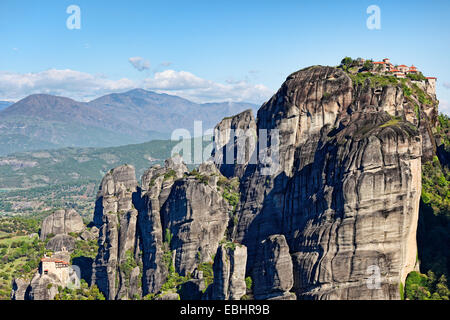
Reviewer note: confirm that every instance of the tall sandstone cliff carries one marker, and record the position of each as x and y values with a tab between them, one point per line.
116	216
347	190
339	207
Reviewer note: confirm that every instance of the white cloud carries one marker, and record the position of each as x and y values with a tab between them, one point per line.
176	80
85	86
139	63
69	83
189	86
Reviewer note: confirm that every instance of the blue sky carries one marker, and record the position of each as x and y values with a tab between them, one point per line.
208	50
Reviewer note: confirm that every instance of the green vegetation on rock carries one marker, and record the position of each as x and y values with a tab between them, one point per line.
433	237
83	293
86	249
230	190
127	266
208	273
19	258
374	79
426	287
416	77
200	177
249	283
170	174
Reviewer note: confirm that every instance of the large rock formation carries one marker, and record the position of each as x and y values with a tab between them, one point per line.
156	186
117	239
196	215
362	212
273	271
60	241
42	288
229	272
178	213
62	222
234	144
328	199
347	188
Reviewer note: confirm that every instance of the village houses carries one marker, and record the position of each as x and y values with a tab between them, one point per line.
399	71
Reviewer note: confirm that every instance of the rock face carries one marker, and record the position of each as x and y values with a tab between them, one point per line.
19	288
229	272
115	192
273	271
363	215
156	187
196	215
346	191
177	211
90	234
57	243
42	288
168	296
62	222
117	239
194	288
234	144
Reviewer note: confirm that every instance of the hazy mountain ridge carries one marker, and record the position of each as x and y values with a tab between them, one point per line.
43	121
149	111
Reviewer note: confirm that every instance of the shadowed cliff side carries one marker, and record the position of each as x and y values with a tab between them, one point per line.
347	191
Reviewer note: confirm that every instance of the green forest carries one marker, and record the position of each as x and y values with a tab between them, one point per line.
433	236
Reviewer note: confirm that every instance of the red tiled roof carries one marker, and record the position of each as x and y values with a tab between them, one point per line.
430	78
378	62
403	66
53	260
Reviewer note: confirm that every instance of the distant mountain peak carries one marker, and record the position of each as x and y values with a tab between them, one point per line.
139	91
135	116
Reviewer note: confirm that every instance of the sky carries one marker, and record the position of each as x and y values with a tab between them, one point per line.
208	50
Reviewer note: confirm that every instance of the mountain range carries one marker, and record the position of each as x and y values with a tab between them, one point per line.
42	121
